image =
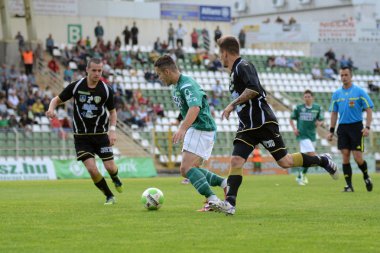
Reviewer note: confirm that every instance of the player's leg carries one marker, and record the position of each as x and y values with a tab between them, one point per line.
85	148
308	147
358	156
99	180
113	172
347	170
196	177
240	154
273	142
357	147
105	152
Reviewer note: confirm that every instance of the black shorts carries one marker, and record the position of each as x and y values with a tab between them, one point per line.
268	135
87	146
350	136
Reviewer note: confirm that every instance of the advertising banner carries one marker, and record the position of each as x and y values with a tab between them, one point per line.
28	169
179	11
128	168
215	13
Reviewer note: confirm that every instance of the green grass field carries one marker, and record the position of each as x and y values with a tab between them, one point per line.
274	215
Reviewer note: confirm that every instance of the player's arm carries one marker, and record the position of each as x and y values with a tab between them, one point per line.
295	130
50	113
334	117
368	121
112	128
191	116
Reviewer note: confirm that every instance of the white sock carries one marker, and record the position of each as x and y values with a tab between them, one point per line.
212	198
224	183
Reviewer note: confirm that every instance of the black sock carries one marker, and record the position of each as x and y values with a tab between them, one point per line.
305	169
233	184
347	172
364	169
310	161
102	185
114	176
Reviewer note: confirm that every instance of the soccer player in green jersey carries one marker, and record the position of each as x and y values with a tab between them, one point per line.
308	116
197	130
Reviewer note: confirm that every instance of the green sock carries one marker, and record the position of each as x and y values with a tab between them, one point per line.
199	181
305	169
212	178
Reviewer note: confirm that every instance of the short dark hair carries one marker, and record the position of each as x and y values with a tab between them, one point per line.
308	92
229	44
346	67
94	60
165	62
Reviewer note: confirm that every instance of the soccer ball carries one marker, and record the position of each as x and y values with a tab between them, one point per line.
152	198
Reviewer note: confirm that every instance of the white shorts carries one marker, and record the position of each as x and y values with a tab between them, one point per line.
199	142
307	146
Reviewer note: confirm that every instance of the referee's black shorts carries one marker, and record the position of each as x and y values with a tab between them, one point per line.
87	146
350	136
268	135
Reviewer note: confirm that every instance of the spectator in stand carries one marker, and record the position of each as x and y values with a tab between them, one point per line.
180	34
280	61
68	74
214	63
206	39
316	72
66	56
217	34
38	53
25	122
28	60
194	39
171	35
351	64
376	68
197	59
127	60
217	89
179	53
99	31
4	75
21	107
117	43
49	44
21	41
330	55
271	62
127	35
279	20
328	73
3	105
158	110
53	65
157	45
343	62
13	100
242	36
372	87
164	47
55	125
134	34
87	43
38	108
12	121
292	21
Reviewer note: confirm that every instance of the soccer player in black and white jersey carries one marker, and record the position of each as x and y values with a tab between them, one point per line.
257	124
94	124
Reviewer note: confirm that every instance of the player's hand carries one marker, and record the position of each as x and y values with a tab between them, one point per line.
296	132
330	136
179	136
365	132
50	114
227	111
112	137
